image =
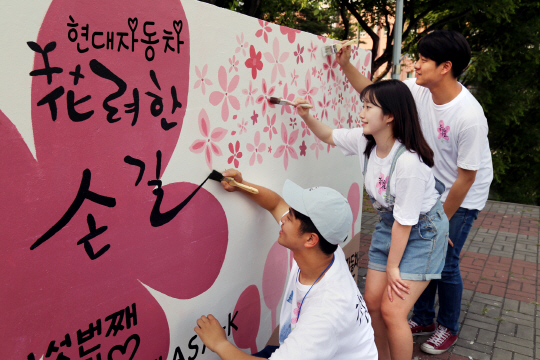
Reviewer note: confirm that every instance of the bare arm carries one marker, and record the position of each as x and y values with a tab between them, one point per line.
400	238
266	198
459	190
355	77
322	131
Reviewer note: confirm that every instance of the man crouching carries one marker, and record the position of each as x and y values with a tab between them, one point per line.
323	314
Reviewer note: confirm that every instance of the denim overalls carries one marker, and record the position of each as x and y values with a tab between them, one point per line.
423	258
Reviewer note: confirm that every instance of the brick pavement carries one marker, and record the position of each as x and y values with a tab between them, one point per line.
499	266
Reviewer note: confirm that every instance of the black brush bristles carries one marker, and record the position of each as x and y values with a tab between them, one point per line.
216	175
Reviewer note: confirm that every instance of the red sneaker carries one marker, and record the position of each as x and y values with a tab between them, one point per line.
421	330
439	342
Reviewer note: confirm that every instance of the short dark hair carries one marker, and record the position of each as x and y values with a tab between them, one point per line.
307	226
395	98
446	45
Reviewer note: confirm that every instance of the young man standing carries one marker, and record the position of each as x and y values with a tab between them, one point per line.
323	315
456	129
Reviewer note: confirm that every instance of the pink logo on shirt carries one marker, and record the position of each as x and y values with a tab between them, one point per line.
381	183
443	131
295	313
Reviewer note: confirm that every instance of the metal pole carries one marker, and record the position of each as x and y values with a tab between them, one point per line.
396	53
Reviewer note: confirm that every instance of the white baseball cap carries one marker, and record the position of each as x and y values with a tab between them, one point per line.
327	208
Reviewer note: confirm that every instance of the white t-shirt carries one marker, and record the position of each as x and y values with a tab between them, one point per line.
457	133
412	185
334	323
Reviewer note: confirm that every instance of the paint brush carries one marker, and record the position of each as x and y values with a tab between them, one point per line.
332	49
217	176
279	101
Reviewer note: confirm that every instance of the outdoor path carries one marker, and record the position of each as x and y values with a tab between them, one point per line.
499	265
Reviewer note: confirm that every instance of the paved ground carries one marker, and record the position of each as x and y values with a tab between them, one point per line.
499	266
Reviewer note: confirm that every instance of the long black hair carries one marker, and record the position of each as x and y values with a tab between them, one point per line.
395	98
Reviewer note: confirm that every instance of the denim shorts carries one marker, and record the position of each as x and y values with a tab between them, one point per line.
424	255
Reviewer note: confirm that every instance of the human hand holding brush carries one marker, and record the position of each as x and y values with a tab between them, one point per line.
322	131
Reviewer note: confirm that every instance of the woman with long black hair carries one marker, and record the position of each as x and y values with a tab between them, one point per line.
409	244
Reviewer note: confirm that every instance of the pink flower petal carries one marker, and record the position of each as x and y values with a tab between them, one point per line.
234	102
199	75
216	149
252	159
284	134
285	159
208	156
218	134
293	153
280	150
269	57
225	110
250	147
204	123
216	97
234	83
283	57
222	77
293	137
259	158
198	146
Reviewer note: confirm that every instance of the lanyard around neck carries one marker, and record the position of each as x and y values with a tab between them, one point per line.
298	274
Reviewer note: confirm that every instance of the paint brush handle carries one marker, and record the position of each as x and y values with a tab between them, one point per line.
305	106
351	42
241	186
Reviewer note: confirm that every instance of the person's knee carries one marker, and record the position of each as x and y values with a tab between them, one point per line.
373	304
390	313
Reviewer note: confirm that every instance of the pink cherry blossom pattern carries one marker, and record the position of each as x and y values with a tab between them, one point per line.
323	86
202	79
217	97
254	61
309	91
287	149
443	131
270	128
287	108
305	129
324	106
291	33
265	29
340	120
276	59
303	148
293	122
347	103
294	78
345	84
243	126
334	103
364	70
355	104
358	122
329	66
314	71
311	51
256	149
320	74
298	54
236	154
234	64
250	94
263	98
269	149
211	137
350	121
317	146
254	117
242	45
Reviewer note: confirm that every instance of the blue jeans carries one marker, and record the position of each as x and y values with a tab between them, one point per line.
450	285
